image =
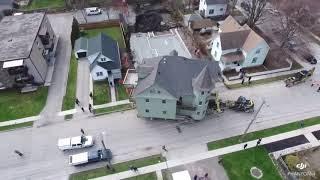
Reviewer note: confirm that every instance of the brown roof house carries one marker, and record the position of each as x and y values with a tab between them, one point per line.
237	47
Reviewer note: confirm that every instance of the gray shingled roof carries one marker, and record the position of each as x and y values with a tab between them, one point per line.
81	43
210	2
179	75
17	35
233	40
106	46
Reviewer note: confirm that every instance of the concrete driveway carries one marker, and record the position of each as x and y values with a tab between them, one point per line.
61	24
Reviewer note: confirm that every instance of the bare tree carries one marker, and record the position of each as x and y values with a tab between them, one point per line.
255	11
288	31
232	5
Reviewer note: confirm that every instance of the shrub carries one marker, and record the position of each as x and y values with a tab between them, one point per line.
292	161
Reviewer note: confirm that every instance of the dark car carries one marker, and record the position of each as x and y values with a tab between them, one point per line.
312	60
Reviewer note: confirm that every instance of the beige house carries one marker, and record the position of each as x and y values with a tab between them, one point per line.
237	47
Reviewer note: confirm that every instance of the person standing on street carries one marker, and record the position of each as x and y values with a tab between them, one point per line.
164	148
82	131
18	152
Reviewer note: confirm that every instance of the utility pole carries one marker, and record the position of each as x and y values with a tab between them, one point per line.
254	118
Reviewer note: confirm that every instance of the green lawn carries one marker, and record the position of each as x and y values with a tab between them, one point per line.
16	126
261	134
111	109
103	171
70	96
238	164
101	92
121	92
42	4
15	105
114	32
149	176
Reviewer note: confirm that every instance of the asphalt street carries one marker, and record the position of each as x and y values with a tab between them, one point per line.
130	137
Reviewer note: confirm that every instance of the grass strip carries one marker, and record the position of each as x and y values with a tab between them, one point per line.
16	126
263	133
70	96
112	109
120	167
149	176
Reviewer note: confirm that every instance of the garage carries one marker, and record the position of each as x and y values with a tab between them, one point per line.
82	54
81	48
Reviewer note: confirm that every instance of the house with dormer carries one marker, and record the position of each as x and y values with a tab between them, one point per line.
103	54
213	8
172	86
237	47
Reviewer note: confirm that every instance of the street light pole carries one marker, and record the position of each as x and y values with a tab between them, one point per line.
254	118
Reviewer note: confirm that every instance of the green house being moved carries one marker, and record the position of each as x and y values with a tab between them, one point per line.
172	86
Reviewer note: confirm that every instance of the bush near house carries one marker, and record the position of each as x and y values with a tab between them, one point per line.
14	105
75	32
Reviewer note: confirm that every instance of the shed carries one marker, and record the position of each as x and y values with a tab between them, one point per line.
200	24
81	47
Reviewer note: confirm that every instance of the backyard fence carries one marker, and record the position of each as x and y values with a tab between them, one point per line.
102	24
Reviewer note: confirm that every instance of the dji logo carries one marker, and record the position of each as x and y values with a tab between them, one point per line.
301	166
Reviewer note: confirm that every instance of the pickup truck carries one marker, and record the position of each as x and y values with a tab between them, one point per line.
89	157
75	142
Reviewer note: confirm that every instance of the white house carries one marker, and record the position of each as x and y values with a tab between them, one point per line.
237	47
103	55
213	8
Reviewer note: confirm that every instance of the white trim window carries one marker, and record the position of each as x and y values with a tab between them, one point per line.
99	73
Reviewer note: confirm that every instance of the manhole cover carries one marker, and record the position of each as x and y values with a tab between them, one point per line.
256	173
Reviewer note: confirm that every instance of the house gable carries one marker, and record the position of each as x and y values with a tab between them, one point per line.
99	73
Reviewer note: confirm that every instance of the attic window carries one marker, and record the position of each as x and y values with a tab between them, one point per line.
103	59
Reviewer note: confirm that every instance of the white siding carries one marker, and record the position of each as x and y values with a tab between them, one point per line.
97	69
93	57
218	9
261	56
216	51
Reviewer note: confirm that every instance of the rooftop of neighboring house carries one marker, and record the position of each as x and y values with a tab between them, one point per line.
17	35
150	45
107	47
103	44
212	2
179	75
234	36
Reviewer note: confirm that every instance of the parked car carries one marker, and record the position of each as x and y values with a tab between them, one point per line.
93	11
75	142
91	156
311	59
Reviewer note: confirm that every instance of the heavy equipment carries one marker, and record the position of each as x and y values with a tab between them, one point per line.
299	77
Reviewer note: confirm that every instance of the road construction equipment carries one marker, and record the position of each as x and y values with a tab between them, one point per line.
299	77
241	104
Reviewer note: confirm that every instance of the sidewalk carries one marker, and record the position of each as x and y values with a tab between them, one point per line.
116	103
18	121
313	142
